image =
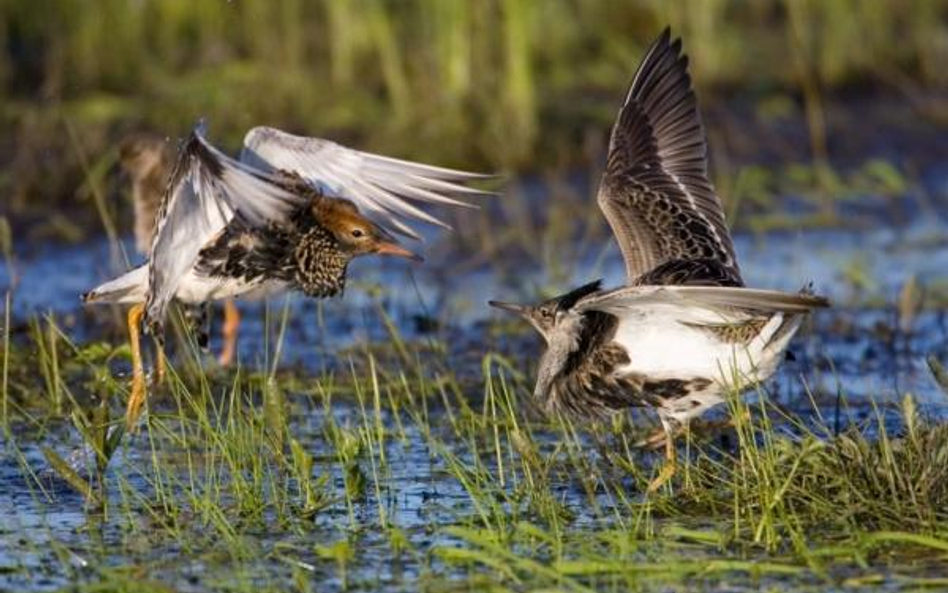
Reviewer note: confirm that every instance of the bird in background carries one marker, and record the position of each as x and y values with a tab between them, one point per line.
289	214
148	159
684	331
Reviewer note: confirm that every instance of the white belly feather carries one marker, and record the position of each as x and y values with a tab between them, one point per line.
132	287
663	343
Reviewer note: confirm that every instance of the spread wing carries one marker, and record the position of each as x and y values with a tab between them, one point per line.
383	188
723	299
205	191
655	191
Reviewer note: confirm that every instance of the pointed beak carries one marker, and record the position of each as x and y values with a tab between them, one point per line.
393	248
388	245
511	307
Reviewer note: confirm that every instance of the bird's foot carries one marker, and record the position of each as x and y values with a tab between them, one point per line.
226	357
743	417
668	470
162	366
714	426
653	441
231	323
136	399
136	402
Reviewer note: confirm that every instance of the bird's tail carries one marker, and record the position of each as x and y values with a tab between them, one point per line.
789	322
127	288
785	329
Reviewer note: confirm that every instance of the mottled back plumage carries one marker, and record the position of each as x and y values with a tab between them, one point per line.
301	252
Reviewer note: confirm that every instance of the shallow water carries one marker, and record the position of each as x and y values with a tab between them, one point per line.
860	270
854	352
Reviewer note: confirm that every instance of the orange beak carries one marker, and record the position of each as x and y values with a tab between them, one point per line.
392	248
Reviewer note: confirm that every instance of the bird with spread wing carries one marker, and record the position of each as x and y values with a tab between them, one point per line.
148	159
684	330
289	214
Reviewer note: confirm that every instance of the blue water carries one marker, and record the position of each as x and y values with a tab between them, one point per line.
863	272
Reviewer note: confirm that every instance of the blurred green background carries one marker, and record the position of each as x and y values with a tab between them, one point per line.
513	85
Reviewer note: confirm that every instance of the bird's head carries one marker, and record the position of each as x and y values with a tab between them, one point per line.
541	316
141	153
545	316
356	234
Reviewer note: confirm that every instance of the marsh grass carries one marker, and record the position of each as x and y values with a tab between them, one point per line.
241	466
545	503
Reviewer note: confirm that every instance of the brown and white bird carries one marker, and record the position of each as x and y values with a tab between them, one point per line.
148	159
286	216
684	331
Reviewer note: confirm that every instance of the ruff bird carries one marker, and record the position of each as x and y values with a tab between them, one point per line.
684	331
289	214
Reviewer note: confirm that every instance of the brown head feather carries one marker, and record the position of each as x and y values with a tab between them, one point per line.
356	234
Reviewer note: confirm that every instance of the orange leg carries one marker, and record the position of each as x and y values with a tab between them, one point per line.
669	467
231	323
654	440
136	399
161	363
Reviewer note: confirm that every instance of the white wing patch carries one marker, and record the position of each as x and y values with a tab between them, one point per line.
206	189
383	188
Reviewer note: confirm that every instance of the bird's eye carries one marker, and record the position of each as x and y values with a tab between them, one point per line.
357	233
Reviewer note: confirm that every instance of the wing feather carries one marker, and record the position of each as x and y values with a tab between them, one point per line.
717	298
655	192
385	185
205	191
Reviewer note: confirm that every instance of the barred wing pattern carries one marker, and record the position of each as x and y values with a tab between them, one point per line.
655	191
